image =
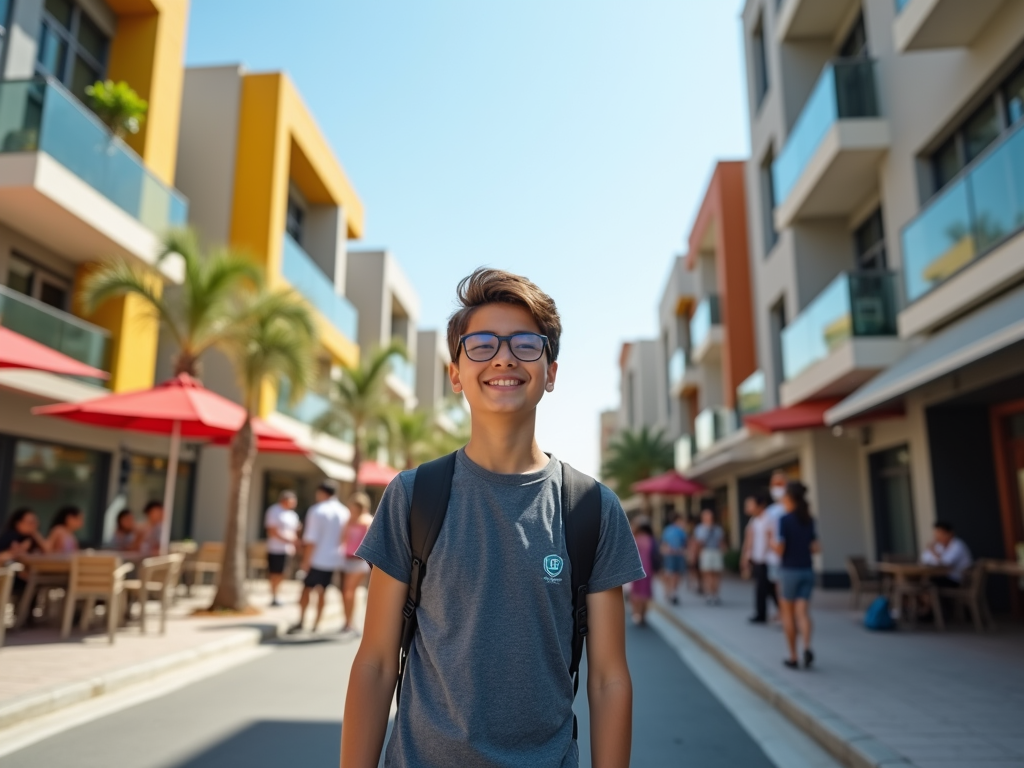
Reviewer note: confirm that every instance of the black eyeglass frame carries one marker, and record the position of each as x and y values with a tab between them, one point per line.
545	347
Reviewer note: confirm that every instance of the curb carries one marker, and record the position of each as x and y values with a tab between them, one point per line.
64	695
846	743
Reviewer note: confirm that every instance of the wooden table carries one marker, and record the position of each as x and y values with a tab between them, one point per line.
53	570
1005	567
912	580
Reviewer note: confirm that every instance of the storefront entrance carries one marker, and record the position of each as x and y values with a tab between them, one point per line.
1008	435
892	503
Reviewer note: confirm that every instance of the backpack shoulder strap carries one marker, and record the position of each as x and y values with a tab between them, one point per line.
430	493
581	518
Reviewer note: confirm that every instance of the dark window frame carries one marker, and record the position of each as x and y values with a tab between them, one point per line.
295	219
768	230
759	60
870	256
73	47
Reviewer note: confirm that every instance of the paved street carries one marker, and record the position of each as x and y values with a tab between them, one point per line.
287	704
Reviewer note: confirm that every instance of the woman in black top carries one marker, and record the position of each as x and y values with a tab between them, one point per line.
798	541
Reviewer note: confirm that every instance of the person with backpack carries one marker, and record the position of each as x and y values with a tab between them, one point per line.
490	568
797	542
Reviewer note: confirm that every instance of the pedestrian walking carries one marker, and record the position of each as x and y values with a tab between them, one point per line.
710	539
527	559
355	570
641	590
759	554
322	557
283	526
673	549
798	541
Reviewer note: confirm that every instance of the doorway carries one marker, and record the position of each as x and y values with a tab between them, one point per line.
892	502
1008	435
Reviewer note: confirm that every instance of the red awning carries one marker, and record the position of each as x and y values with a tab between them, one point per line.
669	484
373	474
17	351
808	415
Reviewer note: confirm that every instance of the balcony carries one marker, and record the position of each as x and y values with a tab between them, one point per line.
811	19
679	382
58	330
685	449
979	214
310	407
65	178
927	24
713	424
705	330
404	371
750	394
299	269
842	338
829	163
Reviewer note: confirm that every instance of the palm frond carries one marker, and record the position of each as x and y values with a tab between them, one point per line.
119	278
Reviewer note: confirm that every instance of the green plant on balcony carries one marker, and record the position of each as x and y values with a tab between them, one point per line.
118	105
635	456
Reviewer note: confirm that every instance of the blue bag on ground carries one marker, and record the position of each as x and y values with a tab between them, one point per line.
878	616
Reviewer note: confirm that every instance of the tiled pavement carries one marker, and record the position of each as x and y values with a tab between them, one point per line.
927	699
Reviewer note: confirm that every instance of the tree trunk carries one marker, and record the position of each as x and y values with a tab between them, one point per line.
231	593
357	452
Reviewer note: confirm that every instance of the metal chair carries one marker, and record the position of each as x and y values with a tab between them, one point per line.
95	577
970	596
158	579
7	576
257	556
862	579
207	561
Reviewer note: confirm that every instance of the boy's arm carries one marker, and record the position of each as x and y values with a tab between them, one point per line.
609	688
371	684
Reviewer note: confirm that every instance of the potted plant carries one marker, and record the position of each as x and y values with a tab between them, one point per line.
118	106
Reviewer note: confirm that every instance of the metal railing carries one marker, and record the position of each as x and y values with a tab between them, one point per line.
299	269
40	115
55	328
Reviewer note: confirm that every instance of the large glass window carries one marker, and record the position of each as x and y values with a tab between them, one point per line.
771	236
147	476
869	243
46	477
294	219
5	9
760	61
981	130
72	47
856	41
1013	94
27	277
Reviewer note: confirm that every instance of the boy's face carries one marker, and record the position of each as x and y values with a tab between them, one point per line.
503	384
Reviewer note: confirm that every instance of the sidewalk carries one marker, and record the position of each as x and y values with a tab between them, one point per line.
40	673
904	698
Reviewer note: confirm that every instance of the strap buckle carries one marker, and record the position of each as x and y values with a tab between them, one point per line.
409	609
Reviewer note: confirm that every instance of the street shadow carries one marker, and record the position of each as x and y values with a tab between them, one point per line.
274	743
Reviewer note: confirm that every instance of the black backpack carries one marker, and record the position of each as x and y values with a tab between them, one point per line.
581	520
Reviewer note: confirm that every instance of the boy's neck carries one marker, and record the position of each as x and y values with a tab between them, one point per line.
506	446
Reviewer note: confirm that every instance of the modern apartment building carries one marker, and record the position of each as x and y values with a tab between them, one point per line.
885	193
72	195
639	393
433	386
263	179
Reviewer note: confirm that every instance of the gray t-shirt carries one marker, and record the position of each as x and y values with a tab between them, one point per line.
488	680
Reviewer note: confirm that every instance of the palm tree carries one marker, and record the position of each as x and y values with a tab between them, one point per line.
273	340
635	456
411	434
200	313
359	403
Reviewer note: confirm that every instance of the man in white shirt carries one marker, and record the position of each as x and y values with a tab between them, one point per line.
323	555
759	553
949	551
283	525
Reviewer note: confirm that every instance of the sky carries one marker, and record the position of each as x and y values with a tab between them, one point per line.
567	141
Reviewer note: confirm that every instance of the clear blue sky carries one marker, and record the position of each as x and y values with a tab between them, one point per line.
567	140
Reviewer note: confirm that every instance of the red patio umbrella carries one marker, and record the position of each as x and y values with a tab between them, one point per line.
670	483
373	474
269	439
181	407
17	351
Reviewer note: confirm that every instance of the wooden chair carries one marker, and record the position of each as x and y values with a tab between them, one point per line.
95	577
862	579
970	596
158	579
7	575
257	555
207	561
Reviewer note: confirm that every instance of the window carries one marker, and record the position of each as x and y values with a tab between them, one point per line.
760	63
294	219
869	243
1002	108
856	42
5	9
24	276
771	237
72	47
777	321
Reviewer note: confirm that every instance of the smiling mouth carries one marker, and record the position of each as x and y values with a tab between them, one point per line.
504	383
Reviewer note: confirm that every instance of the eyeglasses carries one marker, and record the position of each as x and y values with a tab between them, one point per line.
481	347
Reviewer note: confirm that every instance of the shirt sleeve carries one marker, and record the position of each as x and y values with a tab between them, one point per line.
270	520
386	545
311	534
952	555
617	561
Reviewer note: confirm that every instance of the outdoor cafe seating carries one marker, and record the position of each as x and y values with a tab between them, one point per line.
157	580
95	577
7	576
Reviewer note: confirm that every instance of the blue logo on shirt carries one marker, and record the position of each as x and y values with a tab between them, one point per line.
552	565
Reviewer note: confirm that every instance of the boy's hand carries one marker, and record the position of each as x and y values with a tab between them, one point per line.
609	688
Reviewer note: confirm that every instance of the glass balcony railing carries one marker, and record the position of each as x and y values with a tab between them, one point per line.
750	394
310	407
676	369
901	4
704	317
299	269
712	424
685	448
854	304
404	370
39	115
971	216
846	89
58	330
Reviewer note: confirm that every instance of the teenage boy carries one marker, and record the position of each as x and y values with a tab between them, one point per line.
487	682
321	557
